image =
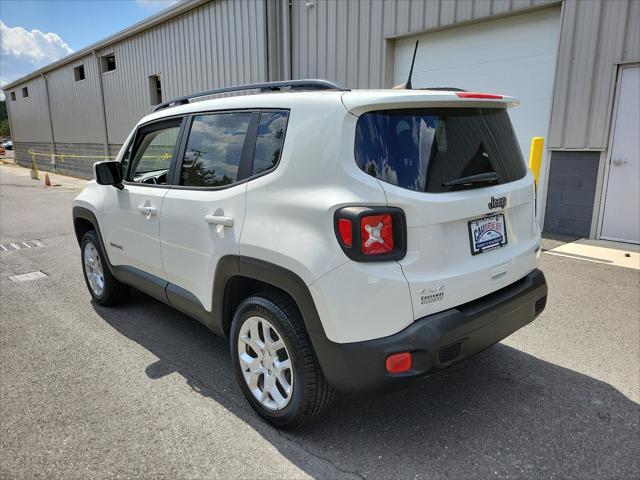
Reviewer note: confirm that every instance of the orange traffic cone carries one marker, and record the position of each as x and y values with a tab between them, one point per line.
47	182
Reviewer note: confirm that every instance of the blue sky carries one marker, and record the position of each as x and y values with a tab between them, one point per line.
35	33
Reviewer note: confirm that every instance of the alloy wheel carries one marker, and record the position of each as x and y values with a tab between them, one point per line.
93	269
265	363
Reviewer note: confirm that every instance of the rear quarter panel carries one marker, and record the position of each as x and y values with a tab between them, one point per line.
290	222
289	216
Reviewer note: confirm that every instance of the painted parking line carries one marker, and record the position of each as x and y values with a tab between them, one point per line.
609	253
20	245
27	277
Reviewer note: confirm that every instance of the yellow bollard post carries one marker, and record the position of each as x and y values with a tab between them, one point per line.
34	167
535	157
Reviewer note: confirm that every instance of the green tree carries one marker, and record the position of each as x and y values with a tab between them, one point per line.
4	120
4	128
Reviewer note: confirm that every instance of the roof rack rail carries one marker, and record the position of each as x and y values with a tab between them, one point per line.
450	89
306	84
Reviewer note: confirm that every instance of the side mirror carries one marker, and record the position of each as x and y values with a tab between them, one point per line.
108	173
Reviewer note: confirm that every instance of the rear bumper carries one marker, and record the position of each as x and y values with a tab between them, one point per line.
436	341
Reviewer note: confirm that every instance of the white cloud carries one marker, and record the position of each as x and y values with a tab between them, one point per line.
37	47
23	51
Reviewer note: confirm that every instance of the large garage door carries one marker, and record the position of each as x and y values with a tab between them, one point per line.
515	56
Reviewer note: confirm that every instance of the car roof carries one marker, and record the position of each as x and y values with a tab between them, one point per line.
283	99
355	101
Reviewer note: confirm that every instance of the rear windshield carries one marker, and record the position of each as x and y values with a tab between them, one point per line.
422	149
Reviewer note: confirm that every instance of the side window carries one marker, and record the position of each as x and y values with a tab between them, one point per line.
269	142
152	155
214	149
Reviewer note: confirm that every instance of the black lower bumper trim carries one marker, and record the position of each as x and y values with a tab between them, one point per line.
435	342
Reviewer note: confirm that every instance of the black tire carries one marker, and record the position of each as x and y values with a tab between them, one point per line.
311	393
113	291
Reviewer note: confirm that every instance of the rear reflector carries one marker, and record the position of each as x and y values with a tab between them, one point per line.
479	95
376	234
399	362
344	229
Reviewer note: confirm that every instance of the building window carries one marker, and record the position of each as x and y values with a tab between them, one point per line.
155	89
78	73
13	96
25	92
108	63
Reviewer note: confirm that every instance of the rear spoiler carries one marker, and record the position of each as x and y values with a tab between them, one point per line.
359	101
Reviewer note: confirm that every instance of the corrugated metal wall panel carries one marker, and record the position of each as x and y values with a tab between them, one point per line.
75	106
631	49
604	72
29	116
595	37
225	42
447	13
481	8
464	11
278	33
218	44
359	30
500	6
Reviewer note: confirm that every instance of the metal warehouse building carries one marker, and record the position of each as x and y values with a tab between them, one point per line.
575	66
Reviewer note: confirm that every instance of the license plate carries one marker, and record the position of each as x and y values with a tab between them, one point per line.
487	233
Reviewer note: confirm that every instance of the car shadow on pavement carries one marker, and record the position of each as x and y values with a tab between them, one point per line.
503	413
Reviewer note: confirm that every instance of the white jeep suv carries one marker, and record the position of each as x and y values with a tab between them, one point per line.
342	240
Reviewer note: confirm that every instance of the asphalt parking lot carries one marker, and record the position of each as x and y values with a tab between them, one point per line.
142	390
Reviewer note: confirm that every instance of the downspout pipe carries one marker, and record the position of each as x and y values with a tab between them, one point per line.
102	104
53	140
11	131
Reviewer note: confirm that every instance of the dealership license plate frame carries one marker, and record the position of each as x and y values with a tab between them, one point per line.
492	244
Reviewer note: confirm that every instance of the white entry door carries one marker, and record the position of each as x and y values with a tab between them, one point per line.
514	56
621	217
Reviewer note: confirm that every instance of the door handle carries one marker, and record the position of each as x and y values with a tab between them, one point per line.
147	210
618	161
219	220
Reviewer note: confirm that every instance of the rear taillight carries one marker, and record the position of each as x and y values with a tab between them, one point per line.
368	234
376	234
489	96
344	229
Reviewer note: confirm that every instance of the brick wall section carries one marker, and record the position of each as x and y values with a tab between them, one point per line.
571	192
22	156
114	149
75	167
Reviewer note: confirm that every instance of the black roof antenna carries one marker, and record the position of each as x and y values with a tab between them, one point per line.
407	85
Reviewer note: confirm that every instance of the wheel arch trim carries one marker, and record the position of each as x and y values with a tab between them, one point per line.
232	266
287	281
86	214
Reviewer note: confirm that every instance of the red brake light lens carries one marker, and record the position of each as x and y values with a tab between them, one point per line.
344	229
479	95
399	362
376	234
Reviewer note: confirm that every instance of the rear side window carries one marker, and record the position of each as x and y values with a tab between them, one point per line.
214	148
269	141
422	149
